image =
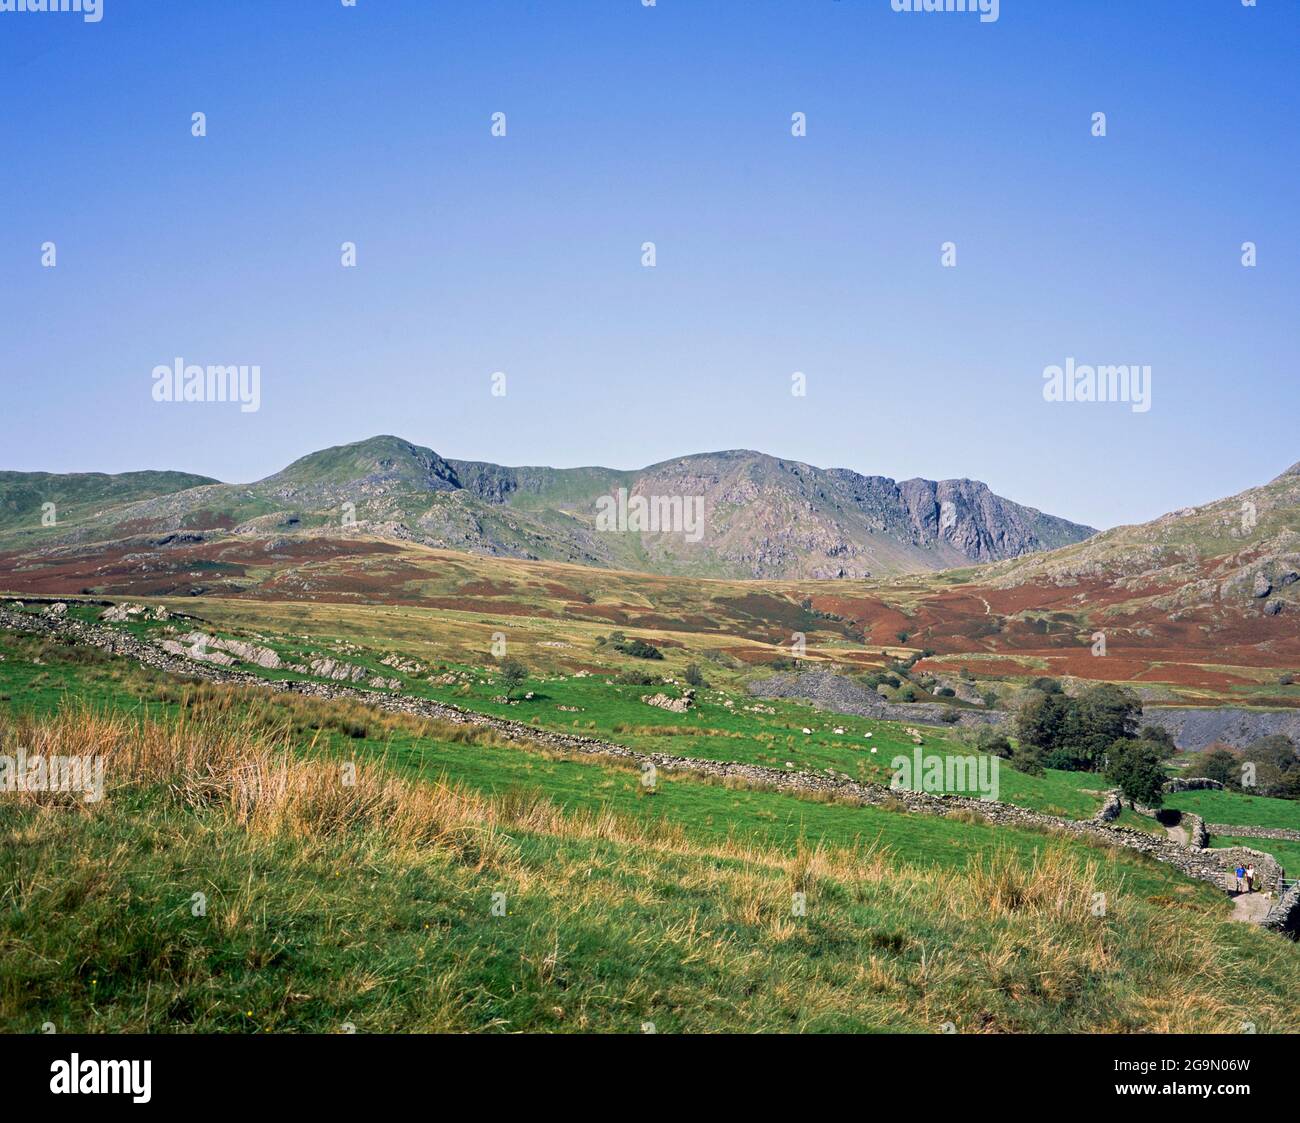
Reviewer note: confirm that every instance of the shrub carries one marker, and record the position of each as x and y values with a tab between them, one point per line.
513	674
1217	762
638	678
989	740
637	648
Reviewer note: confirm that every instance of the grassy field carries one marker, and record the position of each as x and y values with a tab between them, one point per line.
439	752
396	903
1238	808
371	904
724	726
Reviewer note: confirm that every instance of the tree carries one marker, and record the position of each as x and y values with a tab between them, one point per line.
694	677
1274	758
1099	717
1135	768
513	675
1158	735
1275	749
1076	733
991	740
1217	762
1041	719
1028	759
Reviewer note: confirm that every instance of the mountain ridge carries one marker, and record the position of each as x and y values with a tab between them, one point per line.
767	516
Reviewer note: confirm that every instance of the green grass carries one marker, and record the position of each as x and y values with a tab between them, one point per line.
371	906
743	731
1238	808
709	812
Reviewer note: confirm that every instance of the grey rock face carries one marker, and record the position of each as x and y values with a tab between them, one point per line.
827	690
1194	728
336	671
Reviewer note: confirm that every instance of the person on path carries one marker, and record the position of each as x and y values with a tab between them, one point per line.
1250	878
1240	873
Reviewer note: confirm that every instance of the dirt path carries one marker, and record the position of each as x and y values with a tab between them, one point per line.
1177	834
1250	908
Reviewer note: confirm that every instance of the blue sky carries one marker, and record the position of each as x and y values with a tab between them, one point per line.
669	124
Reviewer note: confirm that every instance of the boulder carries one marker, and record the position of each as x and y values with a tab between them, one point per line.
675	705
336	671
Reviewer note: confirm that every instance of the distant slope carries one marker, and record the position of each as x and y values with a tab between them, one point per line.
1194	598
1240	551
78	496
763	517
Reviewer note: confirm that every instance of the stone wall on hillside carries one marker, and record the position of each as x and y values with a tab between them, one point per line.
1232	830
1285	915
1267	868
1193	784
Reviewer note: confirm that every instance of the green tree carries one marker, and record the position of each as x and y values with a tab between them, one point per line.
991	740
1041	719
1274	758
1135	767
513	675
1158	735
694	677
1217	762
1028	759
1099	717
